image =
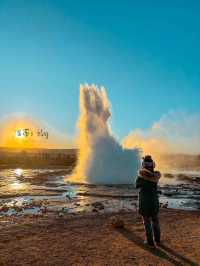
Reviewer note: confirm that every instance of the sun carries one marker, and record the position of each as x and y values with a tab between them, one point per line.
19	134
22	132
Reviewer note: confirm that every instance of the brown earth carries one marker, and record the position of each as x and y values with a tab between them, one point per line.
91	240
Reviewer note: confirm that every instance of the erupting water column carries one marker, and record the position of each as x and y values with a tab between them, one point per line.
101	159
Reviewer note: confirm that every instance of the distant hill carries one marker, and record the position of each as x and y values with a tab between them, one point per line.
35	150
64	158
37	158
182	161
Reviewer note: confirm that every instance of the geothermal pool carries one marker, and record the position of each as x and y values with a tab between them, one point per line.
28	191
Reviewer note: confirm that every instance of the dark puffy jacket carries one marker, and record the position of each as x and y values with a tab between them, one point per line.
148	197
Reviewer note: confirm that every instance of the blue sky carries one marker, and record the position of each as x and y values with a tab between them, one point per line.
146	54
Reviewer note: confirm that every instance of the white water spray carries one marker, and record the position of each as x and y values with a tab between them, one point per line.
102	160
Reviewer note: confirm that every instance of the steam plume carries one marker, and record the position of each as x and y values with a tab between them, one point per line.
175	133
101	158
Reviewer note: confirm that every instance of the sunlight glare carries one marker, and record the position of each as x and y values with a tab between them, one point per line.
19	172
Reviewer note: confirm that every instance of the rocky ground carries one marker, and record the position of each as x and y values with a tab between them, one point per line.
91	239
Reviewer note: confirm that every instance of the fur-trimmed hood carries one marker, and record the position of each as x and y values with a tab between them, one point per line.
149	176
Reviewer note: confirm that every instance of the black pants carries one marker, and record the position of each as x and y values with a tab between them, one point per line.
152	229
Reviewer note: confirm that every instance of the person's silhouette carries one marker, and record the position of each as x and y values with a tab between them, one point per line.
148	200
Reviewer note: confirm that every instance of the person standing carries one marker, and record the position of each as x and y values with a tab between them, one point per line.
147	182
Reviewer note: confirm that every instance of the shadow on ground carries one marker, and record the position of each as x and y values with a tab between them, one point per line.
163	251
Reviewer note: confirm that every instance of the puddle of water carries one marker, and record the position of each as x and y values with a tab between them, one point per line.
28	191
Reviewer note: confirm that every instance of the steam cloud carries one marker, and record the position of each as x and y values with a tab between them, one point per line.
174	133
102	159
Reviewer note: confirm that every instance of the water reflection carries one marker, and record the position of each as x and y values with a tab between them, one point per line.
38	191
17	185
18	172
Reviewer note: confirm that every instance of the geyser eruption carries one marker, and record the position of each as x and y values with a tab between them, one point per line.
102	160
